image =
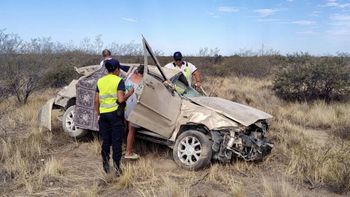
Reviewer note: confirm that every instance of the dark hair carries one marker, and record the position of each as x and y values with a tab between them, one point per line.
106	53
140	69
111	65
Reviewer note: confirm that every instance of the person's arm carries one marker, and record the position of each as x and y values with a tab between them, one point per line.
197	76
121	96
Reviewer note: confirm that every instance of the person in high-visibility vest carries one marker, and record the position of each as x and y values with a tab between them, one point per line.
187	68
110	92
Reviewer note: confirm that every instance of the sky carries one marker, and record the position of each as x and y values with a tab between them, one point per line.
319	27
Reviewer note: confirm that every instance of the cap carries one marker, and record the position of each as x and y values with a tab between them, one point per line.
112	64
177	55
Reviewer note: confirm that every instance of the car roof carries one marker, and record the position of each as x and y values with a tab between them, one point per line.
167	71
88	70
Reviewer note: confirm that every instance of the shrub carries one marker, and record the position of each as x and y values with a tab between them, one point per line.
58	76
325	79
299	57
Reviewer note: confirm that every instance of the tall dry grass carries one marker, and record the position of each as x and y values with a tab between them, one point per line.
318	115
278	187
305	154
22	143
224	176
305	134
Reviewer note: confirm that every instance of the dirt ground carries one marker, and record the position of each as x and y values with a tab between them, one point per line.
57	165
83	175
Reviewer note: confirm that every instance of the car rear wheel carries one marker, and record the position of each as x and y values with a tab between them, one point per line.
192	150
68	123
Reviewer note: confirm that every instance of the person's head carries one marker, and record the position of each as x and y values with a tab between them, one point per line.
140	70
106	53
177	58
112	66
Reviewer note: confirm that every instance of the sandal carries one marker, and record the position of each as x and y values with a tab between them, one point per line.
132	156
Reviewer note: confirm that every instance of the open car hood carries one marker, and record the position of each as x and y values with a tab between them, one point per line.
240	113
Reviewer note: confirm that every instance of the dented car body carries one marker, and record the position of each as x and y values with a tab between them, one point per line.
198	128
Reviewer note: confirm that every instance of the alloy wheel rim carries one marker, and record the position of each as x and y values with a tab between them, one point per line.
189	150
70	121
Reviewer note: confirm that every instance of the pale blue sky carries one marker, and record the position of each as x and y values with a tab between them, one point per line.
318	27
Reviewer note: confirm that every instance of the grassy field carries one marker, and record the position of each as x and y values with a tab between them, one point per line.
311	155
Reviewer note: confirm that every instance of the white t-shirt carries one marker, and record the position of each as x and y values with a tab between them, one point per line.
191	67
101	63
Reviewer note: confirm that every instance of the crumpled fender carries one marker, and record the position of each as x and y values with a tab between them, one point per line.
44	115
192	113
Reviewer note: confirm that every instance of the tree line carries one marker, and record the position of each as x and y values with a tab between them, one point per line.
39	63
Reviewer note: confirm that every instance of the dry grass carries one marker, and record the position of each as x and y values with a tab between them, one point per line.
95	146
318	115
300	131
279	187
249	91
22	142
304	153
91	191
312	161
17	118
141	174
53	168
21	158
224	175
172	188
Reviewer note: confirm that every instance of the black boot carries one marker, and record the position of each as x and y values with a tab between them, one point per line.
106	167
118	170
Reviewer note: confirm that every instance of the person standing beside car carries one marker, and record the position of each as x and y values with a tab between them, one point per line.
110	92
133	81
106	55
187	68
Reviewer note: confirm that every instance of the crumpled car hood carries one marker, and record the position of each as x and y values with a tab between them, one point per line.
240	113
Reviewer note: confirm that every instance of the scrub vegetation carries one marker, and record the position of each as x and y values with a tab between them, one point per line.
311	135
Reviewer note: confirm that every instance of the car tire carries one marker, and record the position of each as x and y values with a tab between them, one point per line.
68	124
192	150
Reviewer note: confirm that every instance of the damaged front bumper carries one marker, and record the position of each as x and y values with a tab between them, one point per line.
44	115
248	143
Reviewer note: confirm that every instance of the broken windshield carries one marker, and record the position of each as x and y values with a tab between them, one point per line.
182	87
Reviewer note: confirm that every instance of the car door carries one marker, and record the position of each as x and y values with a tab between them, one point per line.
158	107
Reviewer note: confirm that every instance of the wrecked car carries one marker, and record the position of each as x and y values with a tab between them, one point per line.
198	128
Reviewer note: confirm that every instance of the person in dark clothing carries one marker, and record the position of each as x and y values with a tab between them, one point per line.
109	92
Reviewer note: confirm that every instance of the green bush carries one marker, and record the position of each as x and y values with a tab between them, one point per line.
320	79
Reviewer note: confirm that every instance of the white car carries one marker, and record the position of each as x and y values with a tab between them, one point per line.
198	128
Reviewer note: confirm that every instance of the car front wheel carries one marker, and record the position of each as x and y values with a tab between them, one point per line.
68	123
192	150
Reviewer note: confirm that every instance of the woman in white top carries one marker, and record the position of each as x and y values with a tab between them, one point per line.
132	81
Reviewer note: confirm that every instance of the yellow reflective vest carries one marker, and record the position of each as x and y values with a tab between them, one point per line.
187	72
108	88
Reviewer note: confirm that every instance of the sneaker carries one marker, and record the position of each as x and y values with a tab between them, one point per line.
132	156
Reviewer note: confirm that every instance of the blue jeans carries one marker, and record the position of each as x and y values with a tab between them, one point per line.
111	129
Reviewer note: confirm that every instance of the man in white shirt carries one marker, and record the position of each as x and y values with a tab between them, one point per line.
187	69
